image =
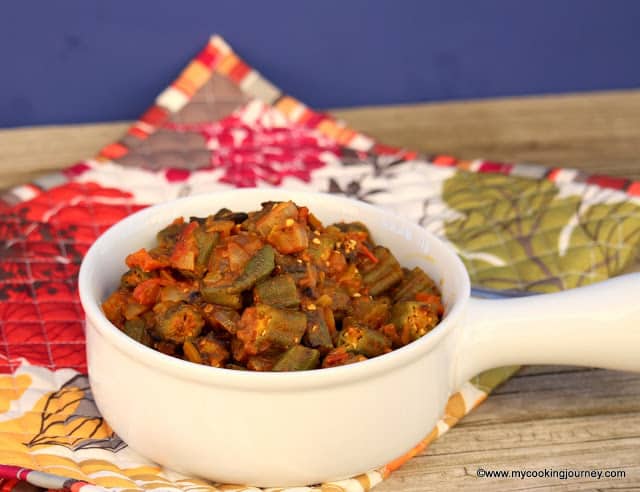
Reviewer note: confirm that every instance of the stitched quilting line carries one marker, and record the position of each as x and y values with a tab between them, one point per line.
12	347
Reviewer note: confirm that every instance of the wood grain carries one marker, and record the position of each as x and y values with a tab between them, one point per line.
546	417
28	152
597	132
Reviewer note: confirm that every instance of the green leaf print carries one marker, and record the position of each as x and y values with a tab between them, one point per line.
487	381
519	233
615	228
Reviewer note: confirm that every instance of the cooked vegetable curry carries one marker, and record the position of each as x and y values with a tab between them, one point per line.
271	290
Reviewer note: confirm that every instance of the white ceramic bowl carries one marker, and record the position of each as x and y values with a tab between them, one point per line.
283	429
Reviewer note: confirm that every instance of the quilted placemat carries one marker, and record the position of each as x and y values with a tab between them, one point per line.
220	125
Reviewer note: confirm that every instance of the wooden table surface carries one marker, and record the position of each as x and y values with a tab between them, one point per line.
545	417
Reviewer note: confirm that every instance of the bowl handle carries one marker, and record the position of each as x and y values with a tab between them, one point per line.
597	325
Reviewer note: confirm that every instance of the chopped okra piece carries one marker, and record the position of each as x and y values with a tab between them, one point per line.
131	278
290	265
414	282
413	320
298	358
220	295
180	322
175	293
191	353
330	321
279	291
226	214
320	248
318	334
351	280
223	227
168	236
352	227
222	317
340	356
339	298
258	268
238	351
263	327
363	340
271	290
165	347
388	281
136	329
383	274
206	242
371	313
212	351
262	362
206	350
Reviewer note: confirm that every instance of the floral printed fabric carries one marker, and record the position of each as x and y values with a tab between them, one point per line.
221	125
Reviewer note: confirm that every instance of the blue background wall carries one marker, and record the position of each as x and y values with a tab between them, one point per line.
82	61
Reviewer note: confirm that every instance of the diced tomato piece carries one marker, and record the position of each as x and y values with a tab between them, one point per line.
289	239
433	300
186	249
113	307
238	257
147	292
224	227
144	261
337	263
303	214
